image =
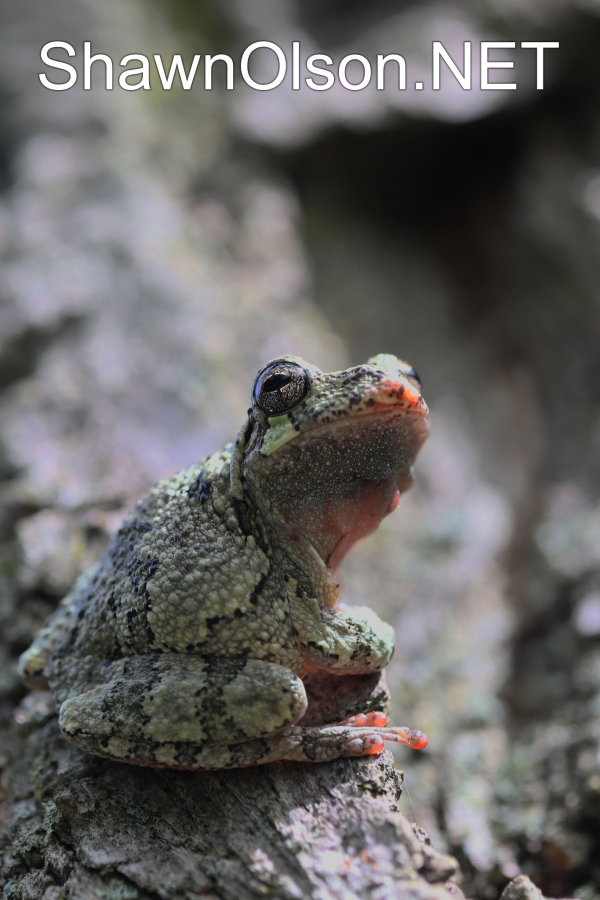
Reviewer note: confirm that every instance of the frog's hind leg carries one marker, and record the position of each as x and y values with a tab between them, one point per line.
180	710
192	713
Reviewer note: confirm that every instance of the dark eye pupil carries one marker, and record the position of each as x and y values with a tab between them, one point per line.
275	382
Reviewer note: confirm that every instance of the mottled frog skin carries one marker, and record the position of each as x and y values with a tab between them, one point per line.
210	634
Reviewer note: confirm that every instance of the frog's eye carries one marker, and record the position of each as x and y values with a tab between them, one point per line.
280	388
411	374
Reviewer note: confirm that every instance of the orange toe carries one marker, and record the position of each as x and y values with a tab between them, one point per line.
374	749
369	720
378	719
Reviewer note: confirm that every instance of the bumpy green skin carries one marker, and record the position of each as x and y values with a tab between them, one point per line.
186	646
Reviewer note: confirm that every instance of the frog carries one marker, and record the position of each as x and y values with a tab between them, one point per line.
212	634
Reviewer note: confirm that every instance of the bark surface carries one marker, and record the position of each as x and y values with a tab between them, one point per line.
78	826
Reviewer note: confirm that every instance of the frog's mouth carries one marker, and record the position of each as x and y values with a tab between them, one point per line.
336	480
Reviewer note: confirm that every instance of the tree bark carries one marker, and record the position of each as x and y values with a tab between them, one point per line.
78	826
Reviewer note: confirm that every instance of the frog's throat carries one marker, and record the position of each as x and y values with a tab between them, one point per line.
334	485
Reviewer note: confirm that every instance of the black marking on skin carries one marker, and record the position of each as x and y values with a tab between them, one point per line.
199	489
241	513
362	650
308	748
214	620
240	753
357	374
147	610
185	753
124	555
315	646
140	570
221	672
253	598
294	421
123	545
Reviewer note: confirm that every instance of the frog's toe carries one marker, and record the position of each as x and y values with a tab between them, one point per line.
373	719
365	745
411	737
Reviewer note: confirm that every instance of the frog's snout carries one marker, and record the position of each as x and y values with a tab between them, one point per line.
400	393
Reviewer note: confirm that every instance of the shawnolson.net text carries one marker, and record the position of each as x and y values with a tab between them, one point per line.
354	71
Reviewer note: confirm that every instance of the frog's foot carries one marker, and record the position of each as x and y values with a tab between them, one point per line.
328	742
372	725
378	720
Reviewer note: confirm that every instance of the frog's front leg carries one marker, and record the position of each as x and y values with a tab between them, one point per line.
350	647
343	639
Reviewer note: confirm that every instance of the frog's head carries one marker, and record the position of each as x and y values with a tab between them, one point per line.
328	454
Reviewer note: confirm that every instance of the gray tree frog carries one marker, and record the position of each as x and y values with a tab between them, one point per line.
210	634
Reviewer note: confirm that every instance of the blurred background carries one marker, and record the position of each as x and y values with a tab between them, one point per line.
157	247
